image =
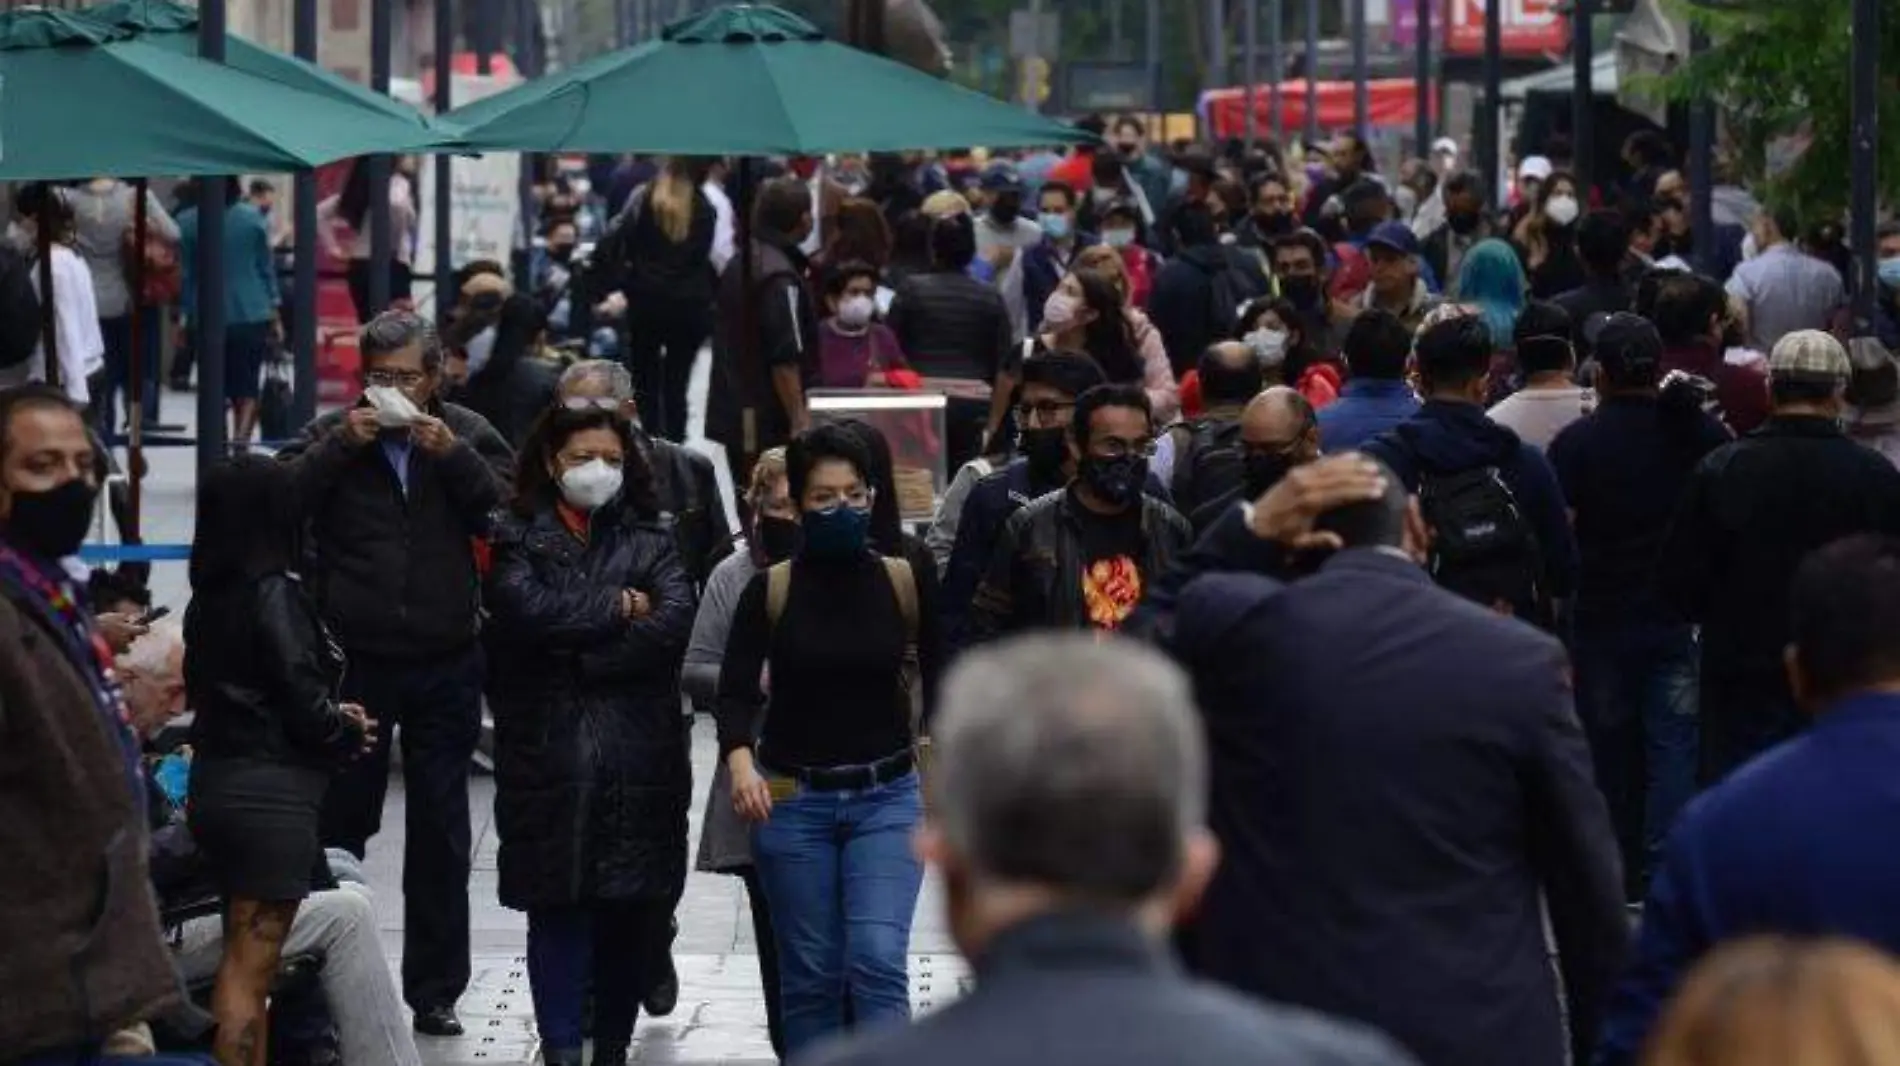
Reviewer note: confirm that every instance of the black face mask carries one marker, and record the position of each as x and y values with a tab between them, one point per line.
1273	223
1263	471
560	253
1117	481
778	537
52	524
1045	450
1304	292
1464	222
1006	210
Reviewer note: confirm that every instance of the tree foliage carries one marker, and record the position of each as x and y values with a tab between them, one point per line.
1781	69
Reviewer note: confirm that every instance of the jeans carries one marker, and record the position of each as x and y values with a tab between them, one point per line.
841	884
1636	694
614	943
437	705
118	381
340	926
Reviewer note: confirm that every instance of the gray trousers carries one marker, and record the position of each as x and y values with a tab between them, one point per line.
339	926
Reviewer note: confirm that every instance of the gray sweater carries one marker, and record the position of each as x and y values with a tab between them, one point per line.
104	214
725	842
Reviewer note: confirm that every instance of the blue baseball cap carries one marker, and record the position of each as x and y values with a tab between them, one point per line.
1396	236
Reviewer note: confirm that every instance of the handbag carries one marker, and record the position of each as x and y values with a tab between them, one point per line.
276	396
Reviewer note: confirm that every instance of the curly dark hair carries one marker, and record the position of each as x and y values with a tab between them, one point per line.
535	486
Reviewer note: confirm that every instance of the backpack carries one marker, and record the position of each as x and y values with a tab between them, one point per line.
19	308
1231	289
1209	462
1483	547
778	588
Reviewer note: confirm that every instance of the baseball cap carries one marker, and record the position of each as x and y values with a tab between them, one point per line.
1001	177
1535	166
1445	144
1396	236
1623	343
1810	355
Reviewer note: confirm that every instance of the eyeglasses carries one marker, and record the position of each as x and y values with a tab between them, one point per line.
858	498
1116	448
394	377
591	403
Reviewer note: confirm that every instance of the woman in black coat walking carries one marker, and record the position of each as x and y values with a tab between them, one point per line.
591	613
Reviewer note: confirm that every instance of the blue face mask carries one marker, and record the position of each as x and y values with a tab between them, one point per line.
836	532
1056	227
1890	272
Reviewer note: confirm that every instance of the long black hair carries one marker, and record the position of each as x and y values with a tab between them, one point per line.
887	525
1109	338
353	202
535	487
248	523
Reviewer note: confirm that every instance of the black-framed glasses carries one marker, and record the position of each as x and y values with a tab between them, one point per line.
397	378
1117	448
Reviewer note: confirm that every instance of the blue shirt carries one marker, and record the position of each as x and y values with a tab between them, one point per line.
1798	842
1366	408
396	449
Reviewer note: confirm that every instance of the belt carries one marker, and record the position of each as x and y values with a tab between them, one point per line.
847	778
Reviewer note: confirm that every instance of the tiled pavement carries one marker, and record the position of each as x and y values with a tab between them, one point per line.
720	1018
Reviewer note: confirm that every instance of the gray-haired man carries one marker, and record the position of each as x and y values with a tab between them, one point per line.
1067	803
397	487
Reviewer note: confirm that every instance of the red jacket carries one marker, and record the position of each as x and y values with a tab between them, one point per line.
1077	171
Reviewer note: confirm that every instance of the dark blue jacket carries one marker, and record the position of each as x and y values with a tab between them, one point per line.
1449	438
1400	786
1043	268
1366	408
1799	842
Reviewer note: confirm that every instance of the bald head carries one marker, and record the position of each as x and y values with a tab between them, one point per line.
1230	374
1280	420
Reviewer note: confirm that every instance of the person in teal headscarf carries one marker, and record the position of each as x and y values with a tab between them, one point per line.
1491	279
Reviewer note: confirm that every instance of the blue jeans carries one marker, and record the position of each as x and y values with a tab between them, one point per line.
610	946
842	884
1637	696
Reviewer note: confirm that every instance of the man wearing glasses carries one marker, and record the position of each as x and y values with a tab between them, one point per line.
1081	557
397	488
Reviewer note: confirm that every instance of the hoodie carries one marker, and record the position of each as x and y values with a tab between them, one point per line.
1448	438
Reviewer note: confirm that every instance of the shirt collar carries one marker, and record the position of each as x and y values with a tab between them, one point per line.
1071	940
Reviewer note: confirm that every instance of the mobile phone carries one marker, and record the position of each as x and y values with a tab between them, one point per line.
152	615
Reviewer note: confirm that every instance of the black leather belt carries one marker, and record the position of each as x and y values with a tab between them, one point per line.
846	778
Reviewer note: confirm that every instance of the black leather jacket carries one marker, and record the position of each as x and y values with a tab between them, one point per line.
261	673
1034	579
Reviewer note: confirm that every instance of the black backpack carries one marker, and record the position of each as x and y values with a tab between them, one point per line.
1483	546
19	308
1209	462
1231	289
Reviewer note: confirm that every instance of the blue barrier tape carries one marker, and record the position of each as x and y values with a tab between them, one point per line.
134	553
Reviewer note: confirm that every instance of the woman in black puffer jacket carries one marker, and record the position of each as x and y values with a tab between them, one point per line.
591	613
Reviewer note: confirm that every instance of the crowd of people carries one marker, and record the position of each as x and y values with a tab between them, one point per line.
1371	596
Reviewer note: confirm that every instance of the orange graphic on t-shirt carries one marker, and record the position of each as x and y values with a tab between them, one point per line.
1110	590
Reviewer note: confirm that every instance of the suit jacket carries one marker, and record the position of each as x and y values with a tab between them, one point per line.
1400	787
1093	986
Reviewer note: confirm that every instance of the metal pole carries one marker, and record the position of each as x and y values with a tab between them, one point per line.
1490	131
208	321
1701	170
1115	29
1250	64
382	243
1866	158
526	65
1361	88
1151	43
1276	63
135	386
1035	21
303	287
1422	124
1582	91
1311	67
1216	44
444	176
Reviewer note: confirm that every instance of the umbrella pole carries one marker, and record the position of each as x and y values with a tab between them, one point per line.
49	317
748	329
135	368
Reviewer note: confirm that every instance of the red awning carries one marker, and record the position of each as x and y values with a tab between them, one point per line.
1389	102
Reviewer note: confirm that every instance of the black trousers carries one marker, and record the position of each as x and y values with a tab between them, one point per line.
768	956
663	341
357	276
437	704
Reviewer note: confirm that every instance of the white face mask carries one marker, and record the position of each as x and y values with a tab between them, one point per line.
1562	210
854	312
478	349
1060	311
393	406
1118	238
1269	345
591	484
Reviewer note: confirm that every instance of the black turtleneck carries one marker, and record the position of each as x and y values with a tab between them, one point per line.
834	656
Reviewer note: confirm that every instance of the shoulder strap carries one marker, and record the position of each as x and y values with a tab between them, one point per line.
778	588
904	584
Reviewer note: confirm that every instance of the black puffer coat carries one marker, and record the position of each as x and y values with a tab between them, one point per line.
590	758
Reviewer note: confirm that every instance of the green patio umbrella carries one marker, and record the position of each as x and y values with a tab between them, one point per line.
173	27
80	97
747	80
